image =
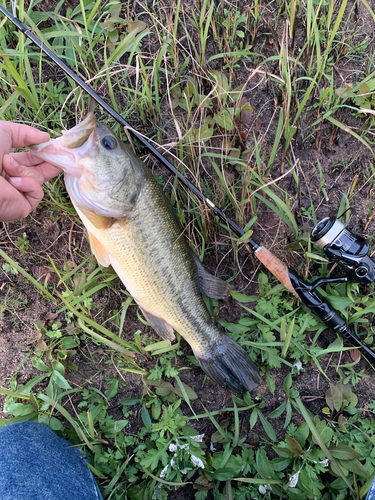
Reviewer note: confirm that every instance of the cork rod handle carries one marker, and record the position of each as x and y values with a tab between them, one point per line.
276	267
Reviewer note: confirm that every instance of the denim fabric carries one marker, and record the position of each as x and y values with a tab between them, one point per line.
36	464
371	492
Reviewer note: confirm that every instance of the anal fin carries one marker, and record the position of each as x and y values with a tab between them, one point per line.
99	251
211	285
161	327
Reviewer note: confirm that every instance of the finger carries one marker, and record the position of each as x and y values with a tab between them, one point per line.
28	159
46	170
31	189
13	169
13	204
22	135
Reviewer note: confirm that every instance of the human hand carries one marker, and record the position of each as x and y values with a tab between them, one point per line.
21	174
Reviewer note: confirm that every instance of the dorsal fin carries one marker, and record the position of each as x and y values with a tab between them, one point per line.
211	285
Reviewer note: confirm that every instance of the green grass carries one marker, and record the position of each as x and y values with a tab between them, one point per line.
186	79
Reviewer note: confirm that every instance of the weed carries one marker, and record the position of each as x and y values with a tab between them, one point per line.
23	244
12	301
363	98
8	268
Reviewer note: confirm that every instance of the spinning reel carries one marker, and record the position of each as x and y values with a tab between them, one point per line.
346	248
350	250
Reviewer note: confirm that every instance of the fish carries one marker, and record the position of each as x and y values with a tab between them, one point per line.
132	227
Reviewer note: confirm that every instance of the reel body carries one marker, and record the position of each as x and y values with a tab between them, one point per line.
346	248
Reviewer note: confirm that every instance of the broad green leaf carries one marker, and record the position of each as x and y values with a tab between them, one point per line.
129	401
334	397
40	365
271	383
339	303
253	418
112	391
267	427
23	409
263	465
146	419
344	452
58	367
281	463
189	392
278	411
60	380
302	434
293	445
283	451
224	474
355	466
224	120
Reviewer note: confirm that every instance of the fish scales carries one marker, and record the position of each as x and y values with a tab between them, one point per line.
146	248
133	227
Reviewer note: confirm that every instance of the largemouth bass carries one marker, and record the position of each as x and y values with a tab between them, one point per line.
133	227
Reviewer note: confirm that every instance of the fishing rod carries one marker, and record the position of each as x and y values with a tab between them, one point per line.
338	243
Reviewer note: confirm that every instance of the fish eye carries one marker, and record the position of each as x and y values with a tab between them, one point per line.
109	142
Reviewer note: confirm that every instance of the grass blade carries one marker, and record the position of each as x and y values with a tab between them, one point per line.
36	283
101	328
350	131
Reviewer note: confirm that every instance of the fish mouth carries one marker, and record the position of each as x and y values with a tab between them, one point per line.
67	151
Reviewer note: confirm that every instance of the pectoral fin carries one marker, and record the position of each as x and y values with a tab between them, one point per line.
161	327
211	285
99	221
99	251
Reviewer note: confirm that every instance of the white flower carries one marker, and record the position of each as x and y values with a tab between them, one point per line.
325	462
263	489
294	480
212	447
164	471
197	461
172	447
298	366
198	438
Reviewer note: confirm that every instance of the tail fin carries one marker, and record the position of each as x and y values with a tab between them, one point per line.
230	366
